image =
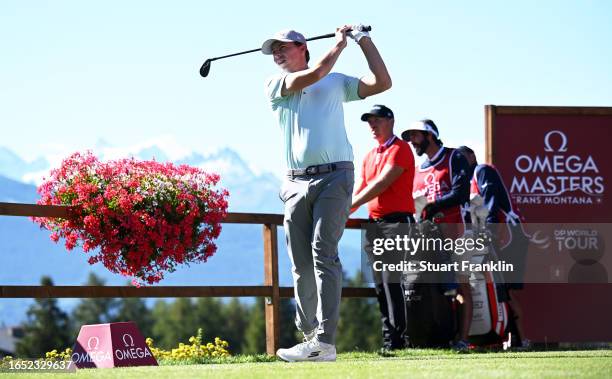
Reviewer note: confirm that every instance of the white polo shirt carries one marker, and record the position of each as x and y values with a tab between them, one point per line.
312	120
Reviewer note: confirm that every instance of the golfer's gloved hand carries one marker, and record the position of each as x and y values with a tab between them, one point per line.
357	33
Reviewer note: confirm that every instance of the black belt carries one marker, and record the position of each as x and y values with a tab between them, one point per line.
395	217
320	169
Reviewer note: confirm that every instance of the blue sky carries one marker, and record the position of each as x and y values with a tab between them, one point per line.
76	72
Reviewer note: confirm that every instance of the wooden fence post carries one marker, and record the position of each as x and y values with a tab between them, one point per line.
272	303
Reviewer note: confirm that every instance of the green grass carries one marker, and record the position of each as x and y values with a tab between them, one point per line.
407	363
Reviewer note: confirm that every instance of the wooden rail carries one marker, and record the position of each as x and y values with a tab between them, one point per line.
270	290
41	292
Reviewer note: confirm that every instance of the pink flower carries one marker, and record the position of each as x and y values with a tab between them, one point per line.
140	219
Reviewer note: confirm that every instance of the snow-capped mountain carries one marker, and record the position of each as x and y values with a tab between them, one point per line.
248	191
14	167
12	191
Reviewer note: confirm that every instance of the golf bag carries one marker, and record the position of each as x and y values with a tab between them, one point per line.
490	317
490	314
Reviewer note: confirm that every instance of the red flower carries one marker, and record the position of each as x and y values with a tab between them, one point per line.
139	218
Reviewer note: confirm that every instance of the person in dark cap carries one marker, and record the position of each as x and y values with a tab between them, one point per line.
444	180
386	186
307	102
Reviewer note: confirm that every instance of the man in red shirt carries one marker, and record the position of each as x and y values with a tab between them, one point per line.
386	186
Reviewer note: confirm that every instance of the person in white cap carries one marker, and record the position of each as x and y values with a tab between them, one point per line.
444	179
307	102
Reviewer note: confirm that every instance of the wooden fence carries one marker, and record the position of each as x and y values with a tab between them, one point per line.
270	290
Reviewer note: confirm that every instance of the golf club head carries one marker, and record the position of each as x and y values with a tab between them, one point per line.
205	68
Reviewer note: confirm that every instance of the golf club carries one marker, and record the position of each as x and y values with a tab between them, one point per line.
205	69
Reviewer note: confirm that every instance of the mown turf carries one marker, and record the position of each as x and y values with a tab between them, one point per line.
404	364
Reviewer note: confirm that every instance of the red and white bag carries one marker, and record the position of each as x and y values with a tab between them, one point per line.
490	315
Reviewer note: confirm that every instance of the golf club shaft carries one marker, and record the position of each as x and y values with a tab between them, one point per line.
254	50
205	69
329	35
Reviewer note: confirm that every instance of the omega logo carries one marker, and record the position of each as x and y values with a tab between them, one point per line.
562	148
429	178
126	338
95	341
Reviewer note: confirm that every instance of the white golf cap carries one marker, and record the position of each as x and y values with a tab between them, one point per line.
282	36
422	125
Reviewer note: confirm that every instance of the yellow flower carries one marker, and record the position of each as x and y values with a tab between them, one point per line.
196	349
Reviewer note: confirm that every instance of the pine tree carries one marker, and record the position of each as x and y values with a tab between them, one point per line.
289	335
94	310
45	329
236	321
254	341
208	313
255	333
134	309
359	326
160	328
173	322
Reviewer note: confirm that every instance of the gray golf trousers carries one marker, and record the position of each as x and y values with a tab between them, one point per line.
316	210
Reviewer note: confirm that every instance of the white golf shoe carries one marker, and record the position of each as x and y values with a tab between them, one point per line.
309	351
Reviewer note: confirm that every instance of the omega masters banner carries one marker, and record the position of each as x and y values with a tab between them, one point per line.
555	163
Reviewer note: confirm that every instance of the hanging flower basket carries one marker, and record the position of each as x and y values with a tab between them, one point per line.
141	219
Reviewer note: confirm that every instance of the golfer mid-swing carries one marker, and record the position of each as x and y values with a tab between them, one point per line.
307	102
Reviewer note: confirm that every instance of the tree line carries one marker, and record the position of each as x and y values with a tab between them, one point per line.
169	322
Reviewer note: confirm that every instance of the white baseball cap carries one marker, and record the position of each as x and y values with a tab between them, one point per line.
422	125
282	36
